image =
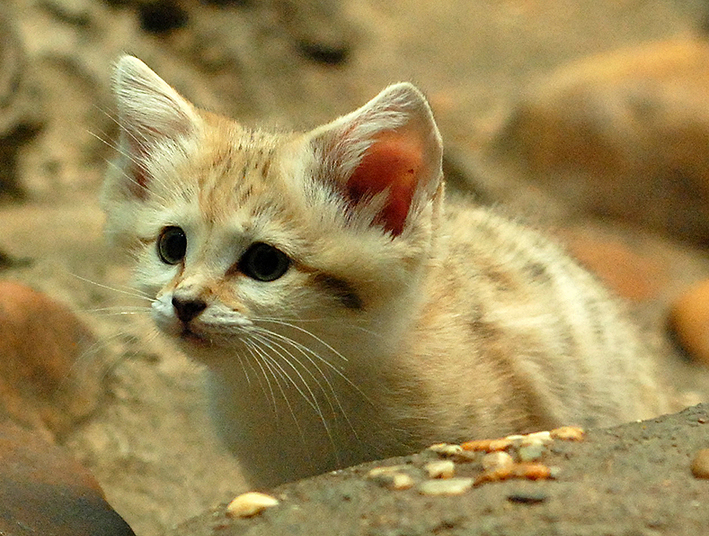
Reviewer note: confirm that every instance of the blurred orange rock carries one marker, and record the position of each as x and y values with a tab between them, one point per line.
45	491
689	318
630	274
622	134
49	371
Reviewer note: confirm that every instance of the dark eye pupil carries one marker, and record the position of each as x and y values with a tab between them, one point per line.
264	263
172	245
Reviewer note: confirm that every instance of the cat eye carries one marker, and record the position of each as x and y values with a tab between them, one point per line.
264	263
172	245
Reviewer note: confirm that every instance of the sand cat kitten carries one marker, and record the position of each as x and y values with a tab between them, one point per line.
343	312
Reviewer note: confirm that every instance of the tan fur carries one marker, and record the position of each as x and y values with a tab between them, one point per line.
389	330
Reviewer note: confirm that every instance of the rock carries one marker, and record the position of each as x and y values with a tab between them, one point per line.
162	16
8	261
44	491
611	479
318	28
689	319
49	371
620	134
70	11
700	464
20	119
631	274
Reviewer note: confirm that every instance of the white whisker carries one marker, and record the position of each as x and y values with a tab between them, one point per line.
117	311
311	399
256	354
349	323
306	332
269	362
312	358
264	333
306	350
133	292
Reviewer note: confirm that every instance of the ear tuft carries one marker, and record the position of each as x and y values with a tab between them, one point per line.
147	105
390	146
149	112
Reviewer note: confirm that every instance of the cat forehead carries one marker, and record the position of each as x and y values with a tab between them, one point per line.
234	176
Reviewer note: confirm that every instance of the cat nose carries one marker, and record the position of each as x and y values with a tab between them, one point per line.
187	308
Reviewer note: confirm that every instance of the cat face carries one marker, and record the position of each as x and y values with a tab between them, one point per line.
242	235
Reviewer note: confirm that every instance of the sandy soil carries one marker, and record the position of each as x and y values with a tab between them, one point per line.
150	444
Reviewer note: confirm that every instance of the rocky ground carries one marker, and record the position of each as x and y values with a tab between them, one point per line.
633	479
610	151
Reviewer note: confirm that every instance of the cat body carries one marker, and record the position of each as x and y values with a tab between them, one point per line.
343	310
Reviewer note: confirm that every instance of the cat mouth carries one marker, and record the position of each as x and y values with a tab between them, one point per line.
194	338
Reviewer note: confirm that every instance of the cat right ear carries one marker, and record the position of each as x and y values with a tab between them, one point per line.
384	157
149	112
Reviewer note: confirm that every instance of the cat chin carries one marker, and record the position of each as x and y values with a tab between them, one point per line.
200	349
189	338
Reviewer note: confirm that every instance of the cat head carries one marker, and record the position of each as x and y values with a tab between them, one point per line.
232	226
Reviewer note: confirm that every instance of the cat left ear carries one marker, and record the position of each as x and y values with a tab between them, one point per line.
149	111
390	146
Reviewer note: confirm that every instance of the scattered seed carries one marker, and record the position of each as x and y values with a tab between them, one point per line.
516	439
395	481
530	453
440	469
537	438
700	464
488	445
378	471
249	504
446	449
497	460
568	433
449	486
391	477
401	481
530	471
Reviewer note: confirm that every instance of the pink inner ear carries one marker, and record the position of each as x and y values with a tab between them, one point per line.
393	161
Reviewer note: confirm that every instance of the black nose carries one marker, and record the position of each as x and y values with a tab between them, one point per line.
188	308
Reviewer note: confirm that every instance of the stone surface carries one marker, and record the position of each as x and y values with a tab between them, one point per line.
44	491
621	135
609	483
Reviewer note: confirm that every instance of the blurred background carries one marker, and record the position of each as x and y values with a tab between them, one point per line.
589	117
